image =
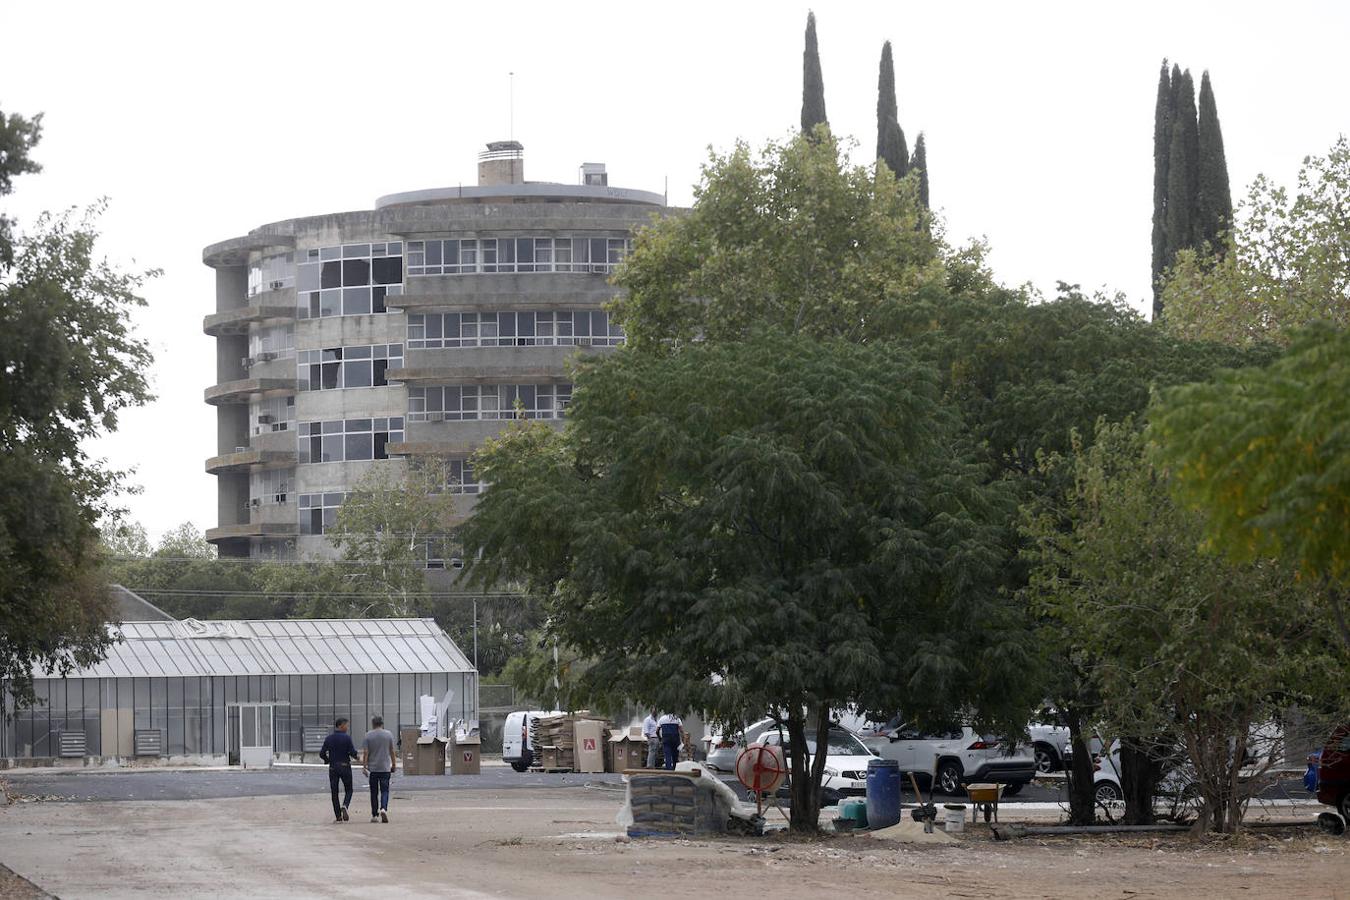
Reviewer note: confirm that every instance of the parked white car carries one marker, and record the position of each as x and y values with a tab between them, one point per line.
1177	787
846	760
517	749
1047	746
953	759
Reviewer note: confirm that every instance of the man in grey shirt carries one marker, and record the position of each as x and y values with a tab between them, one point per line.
378	762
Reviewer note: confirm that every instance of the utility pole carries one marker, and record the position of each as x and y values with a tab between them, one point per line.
475	634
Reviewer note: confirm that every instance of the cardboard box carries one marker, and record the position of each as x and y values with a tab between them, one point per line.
464	756
627	751
589	745
430	753
407	750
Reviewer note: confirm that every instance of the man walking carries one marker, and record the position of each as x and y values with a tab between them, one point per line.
653	742
671	728
378	762
339	751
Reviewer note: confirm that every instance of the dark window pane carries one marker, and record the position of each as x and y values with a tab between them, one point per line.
330	303
358	424
356	374
359	446
355	272
377	300
388	270
332	275
381	442
433	253
331	376
332	448
525	324
355	301
356	353
434	326
351	250
381	366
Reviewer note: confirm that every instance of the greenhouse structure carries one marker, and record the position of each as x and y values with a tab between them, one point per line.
239	692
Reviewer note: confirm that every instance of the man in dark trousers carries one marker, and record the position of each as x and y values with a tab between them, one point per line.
339	751
379	761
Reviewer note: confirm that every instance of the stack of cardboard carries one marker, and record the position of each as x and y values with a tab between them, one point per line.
555	740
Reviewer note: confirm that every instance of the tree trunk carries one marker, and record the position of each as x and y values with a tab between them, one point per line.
1081	789
1139	776
805	790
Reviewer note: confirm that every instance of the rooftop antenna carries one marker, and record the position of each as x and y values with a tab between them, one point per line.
511	124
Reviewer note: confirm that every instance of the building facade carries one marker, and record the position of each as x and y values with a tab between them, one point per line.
358	340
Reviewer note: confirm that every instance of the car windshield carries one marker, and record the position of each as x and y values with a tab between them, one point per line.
841	743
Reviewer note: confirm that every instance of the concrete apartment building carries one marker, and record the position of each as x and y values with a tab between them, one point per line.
357	340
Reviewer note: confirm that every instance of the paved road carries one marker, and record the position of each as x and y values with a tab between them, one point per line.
149	784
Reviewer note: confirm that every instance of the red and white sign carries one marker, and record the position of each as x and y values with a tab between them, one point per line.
588	744
468	756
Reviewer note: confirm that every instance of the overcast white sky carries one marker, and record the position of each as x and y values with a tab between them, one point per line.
202	121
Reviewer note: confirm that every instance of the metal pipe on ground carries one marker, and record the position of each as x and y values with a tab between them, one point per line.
1008	832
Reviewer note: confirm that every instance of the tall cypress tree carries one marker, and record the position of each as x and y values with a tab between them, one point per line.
813	83
1214	203
891	147
1182	163
920	161
1162	149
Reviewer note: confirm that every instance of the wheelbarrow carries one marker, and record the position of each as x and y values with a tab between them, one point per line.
984	797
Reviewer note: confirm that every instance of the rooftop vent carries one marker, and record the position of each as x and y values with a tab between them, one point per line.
594	174
503	162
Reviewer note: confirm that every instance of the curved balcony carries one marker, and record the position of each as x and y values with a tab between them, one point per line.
252	530
262	307
235	251
249	460
245	389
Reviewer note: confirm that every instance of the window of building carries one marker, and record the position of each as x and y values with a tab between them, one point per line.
347	440
318	512
350	280
273	342
487	401
274	414
274	273
459	477
270	486
576	327
347	367
470	256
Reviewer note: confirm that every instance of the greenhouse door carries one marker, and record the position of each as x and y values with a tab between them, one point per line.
255	736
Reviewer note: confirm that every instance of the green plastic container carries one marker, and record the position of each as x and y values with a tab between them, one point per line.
855	810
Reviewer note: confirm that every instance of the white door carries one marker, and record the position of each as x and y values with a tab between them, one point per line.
255	736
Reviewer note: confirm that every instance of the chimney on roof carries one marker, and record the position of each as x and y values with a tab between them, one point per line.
594	174
503	162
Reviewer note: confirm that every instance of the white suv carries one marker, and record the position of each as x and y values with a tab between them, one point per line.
953	759
846	760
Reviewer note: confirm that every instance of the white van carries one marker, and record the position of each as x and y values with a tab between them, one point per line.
517	748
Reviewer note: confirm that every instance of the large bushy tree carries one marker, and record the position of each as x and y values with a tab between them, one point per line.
1183	645
1264	452
70	365
796	532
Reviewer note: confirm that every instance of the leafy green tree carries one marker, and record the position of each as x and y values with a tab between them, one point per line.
1214	200
919	163
552	674
798	533
794	238
1265	454
1288	265
71	365
1181	642
1162	153
891	146
1183	163
385	530
813	83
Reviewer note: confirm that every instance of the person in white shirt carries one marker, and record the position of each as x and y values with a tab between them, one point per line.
653	741
671	729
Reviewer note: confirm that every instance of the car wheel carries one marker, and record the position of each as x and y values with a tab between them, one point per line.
520	765
830	797
1344	806
1107	792
949	777
1047	760
1012	790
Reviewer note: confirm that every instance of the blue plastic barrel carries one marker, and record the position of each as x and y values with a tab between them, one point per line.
883	793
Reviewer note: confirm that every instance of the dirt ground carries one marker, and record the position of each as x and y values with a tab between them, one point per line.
564	843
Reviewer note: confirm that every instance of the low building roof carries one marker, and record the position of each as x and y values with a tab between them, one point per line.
277	647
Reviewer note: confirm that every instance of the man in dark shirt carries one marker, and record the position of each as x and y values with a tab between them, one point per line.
339	751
